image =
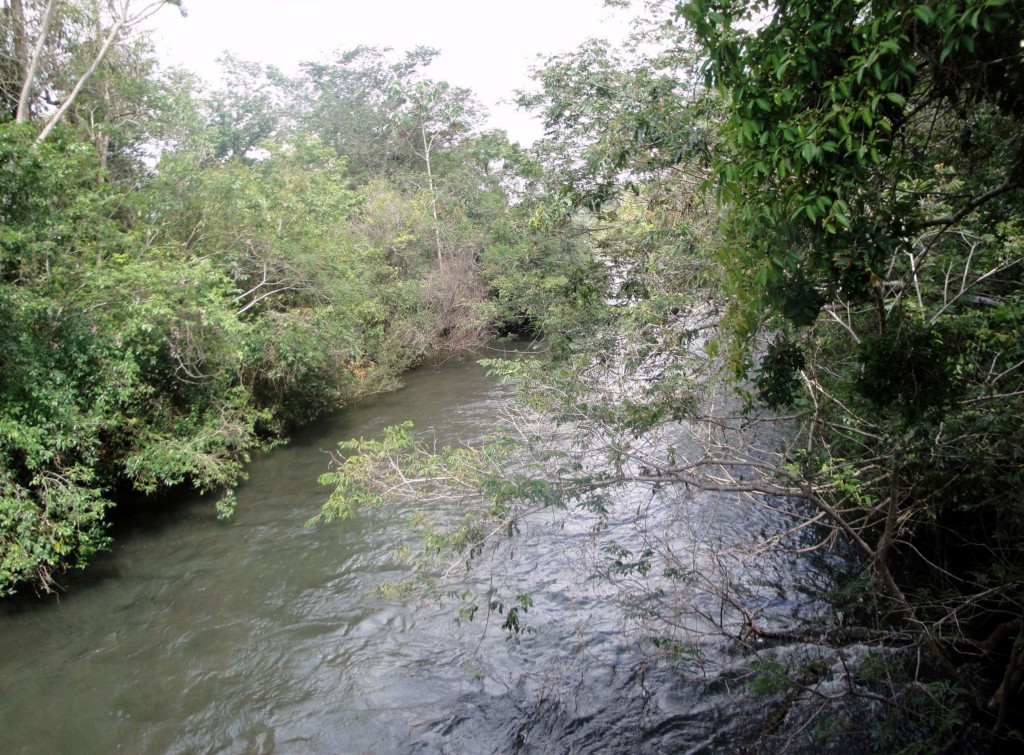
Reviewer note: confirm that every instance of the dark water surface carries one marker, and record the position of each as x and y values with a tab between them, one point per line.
260	634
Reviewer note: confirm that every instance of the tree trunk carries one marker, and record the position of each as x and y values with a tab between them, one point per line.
122	21
54	119
433	195
100	137
24	111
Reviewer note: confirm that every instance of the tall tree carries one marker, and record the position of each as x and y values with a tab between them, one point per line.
34	49
250	108
28	66
350	102
431	116
14	54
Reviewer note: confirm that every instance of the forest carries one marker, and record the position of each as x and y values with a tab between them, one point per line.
794	229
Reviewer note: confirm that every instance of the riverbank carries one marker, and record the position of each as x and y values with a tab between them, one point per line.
260	634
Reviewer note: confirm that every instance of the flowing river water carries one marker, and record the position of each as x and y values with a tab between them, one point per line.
263	634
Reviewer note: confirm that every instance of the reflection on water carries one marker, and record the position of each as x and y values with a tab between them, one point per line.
261	634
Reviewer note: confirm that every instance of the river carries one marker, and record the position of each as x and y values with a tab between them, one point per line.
261	634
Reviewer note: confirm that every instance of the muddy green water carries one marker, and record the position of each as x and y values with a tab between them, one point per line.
260	634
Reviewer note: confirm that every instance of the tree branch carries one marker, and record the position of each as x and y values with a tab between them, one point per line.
123	21
24	101
974	204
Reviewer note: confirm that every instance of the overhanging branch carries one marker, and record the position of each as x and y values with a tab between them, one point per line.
971	206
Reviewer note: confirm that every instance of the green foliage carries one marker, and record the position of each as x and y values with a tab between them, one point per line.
546	286
770	677
51	418
675	650
226	505
513	622
779	378
907	369
830	728
348	477
51	522
300	242
160	329
870	165
929	718
878	668
49	203
244	114
400	468
352	104
624	562
615	116
97	396
835	110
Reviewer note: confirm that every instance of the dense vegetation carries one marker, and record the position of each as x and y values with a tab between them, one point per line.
810	213
185	273
801	214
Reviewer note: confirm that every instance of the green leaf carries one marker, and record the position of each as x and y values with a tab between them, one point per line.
925	13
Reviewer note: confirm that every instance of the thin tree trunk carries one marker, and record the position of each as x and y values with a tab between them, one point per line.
54	119
24	111
433	196
123	21
99	135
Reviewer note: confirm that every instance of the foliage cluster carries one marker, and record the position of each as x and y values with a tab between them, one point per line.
830	228
186	273
883	143
803	206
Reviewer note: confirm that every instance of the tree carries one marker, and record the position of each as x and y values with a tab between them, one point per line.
110	20
351	103
856	264
249	110
431	116
168	319
872	165
27	67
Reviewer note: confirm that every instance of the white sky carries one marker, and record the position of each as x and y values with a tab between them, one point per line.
486	45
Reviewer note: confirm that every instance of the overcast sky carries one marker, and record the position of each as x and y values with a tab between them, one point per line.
485	45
